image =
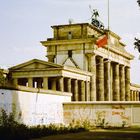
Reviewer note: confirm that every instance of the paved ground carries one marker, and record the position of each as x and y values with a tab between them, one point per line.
99	134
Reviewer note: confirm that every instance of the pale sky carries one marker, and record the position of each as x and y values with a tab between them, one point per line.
24	23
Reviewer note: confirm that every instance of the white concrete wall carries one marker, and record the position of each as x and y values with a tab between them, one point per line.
34	108
113	113
45	107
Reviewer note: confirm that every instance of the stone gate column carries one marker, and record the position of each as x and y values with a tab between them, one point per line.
30	82
82	90
45	82
87	91
61	84
100	79
15	81
131	95
107	80
53	83
134	95
92	69
69	84
39	83
127	83
122	83
76	90
137	99
116	85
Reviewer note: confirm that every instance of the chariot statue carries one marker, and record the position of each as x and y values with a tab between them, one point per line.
94	19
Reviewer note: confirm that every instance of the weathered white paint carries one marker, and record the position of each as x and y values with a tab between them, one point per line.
112	113
34	108
46	106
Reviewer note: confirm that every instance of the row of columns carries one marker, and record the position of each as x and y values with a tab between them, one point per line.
121	82
30	82
80	89
134	95
100	82
110	80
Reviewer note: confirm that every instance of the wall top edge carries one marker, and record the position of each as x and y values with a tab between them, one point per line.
103	103
39	91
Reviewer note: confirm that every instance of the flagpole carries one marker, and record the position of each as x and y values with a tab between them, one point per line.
108	11
108	45
108	28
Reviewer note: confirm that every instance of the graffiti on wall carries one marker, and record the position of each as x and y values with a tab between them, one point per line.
99	115
77	112
119	112
44	114
36	113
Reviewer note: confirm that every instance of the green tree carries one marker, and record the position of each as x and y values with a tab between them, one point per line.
2	78
138	1
137	44
137	41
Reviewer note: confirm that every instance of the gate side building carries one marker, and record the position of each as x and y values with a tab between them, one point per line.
80	79
74	45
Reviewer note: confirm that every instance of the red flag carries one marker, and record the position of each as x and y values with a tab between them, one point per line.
102	41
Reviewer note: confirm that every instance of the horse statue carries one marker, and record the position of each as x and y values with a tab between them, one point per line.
95	14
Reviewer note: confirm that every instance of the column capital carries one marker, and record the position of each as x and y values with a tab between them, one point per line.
107	60
122	66
90	54
100	57
115	63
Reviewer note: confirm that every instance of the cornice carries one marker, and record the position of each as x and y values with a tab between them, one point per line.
67	42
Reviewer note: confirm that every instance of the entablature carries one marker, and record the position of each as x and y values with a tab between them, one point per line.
27	70
67	42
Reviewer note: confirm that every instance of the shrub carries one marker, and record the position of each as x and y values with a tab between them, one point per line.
7	120
12	130
80	125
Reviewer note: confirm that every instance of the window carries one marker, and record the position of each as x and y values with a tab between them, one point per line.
69	53
69	35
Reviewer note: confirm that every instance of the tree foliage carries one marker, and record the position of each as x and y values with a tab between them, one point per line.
138	1
137	41
2	79
137	44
